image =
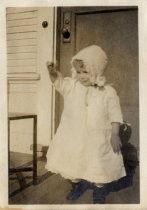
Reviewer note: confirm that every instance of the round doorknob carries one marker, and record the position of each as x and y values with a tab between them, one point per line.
66	33
44	24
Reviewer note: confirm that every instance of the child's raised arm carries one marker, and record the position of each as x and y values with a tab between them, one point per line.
52	70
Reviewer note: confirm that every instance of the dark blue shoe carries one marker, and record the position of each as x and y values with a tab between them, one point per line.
77	190
99	194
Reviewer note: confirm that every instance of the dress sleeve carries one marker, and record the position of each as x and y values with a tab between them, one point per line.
114	109
62	85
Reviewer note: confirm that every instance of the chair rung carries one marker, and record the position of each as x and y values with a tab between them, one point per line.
14	170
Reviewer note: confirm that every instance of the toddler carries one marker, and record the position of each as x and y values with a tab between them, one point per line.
86	146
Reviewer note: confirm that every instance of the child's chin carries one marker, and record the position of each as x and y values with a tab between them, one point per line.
85	83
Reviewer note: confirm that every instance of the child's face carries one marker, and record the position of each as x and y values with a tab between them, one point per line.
83	75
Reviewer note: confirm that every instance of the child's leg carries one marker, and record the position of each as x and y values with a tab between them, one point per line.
99	185
78	188
100	192
75	180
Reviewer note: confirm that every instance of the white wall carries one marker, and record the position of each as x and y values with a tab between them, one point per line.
29	46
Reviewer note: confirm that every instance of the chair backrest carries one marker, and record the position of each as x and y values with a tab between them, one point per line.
125	132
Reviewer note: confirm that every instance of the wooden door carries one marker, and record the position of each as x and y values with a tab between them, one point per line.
115	29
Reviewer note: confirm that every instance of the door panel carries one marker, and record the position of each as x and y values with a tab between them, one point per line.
115	29
116	33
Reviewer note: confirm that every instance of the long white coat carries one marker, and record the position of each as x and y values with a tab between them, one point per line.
81	147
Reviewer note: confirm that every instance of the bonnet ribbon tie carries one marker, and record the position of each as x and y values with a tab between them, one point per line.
100	82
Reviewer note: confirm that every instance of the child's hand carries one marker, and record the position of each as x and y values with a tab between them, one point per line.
52	70
116	143
51	67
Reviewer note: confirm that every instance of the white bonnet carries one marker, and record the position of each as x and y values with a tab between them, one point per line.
94	58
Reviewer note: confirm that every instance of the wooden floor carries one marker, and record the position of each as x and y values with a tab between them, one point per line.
54	189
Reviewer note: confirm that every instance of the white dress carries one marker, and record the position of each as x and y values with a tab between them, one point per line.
81	147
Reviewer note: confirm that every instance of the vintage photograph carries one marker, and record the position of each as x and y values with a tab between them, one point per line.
73	105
